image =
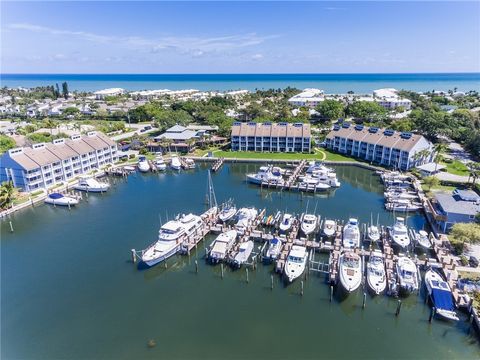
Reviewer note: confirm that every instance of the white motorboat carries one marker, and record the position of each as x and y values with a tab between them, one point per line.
329	228
287	222
351	234
227	213
396	195
188	163
273	250
312	183
373	233
317	166
170	238
296	262
423	239
222	245
244	252
90	184
309	224
350	271
265	173
326	177
407	275
399	233
376	274
441	295
245	217
143	164
403	205
175	163
160	163
60	200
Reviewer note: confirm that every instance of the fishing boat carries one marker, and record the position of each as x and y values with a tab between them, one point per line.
309	224
175	163
188	163
399	233
160	163
350	270
351	234
329	228
441	295
287	222
273	250
170	238
265	173
227	213
90	184
423	240
60	200
376	274
221	246
245	217
296	262
373	233
143	165
244	252
407	275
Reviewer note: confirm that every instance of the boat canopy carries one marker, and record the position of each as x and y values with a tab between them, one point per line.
55	196
442	298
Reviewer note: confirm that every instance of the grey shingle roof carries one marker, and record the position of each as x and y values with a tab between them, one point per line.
453	204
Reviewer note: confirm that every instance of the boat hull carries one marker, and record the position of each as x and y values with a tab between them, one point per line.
90	189
163	257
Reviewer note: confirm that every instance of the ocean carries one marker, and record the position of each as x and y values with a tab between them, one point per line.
330	83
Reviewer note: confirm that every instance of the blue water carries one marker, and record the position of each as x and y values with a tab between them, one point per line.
331	83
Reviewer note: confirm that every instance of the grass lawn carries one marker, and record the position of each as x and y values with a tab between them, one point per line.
319	155
446	188
457	168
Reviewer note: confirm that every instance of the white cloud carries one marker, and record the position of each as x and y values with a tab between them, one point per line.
257	57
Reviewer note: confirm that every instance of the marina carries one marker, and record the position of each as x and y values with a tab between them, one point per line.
128	297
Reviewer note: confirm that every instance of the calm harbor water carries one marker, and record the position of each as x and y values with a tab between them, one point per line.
331	83
69	290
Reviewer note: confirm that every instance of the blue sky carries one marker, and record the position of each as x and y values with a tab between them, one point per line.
235	37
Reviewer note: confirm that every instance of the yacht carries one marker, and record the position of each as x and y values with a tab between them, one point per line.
351	234
326	177
399	233
317	166
60	199
90	184
313	183
329	228
189	163
296	262
287	222
243	254
309	224
350	271
373	233
222	245
423	239
160	163
227	213
245	217
175	163
403	205
170	238
142	164
407	275
273	250
441	295
265	173
376	274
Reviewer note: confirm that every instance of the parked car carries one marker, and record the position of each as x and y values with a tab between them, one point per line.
473	261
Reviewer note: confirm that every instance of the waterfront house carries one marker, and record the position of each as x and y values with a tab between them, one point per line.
178	137
459	206
430	169
46	164
308	97
382	146
271	137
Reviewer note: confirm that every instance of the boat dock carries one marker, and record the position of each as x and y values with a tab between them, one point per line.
218	164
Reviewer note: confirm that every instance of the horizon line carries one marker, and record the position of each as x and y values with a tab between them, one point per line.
253	73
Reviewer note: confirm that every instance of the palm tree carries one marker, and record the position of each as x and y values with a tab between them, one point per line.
50	124
439	149
7	191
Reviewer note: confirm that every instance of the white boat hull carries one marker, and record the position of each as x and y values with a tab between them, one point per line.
164	256
91	189
65	201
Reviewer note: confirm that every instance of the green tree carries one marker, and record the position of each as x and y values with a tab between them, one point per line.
72	110
65	90
465	233
431	181
7	194
366	110
6	143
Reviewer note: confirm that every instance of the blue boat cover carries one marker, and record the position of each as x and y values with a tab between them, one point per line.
55	196
274	240
442	299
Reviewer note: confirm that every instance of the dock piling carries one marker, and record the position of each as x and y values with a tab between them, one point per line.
134	256
399	307
301	293
432	312
271	282
11	226
364	300
331	293
246	271
196	266
221	269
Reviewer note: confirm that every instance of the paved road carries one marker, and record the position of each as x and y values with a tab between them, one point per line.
453	178
137	128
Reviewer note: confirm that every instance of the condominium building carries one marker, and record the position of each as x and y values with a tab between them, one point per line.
383	146
308	97
389	99
271	137
46	164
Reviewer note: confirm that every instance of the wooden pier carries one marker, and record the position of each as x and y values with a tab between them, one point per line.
218	164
